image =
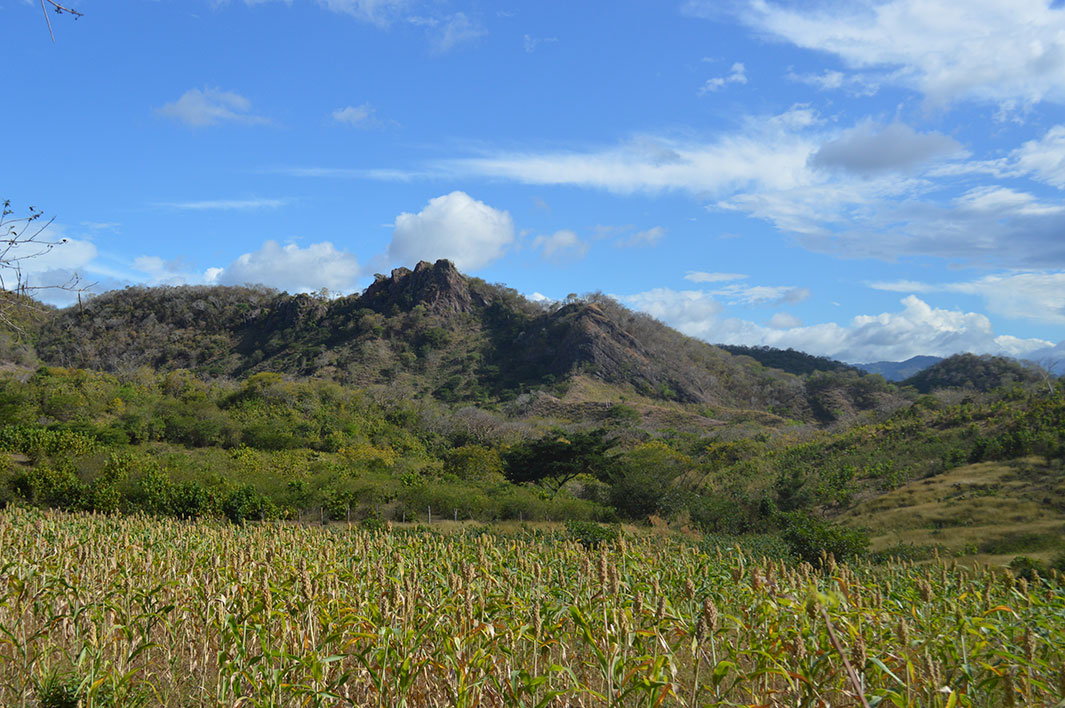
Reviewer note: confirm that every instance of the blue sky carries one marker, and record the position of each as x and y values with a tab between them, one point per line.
867	180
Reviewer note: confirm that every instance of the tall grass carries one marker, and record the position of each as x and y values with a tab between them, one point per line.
135	611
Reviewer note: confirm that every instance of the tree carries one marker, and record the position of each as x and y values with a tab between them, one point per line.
558	457
23	239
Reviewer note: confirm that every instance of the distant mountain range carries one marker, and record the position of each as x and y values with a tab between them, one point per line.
900	370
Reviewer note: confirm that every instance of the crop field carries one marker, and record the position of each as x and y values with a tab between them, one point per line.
137	611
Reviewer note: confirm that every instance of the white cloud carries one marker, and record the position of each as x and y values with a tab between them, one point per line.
769	153
831	80
561	246
454	226
989	226
762	294
647	237
159	271
226	204
892	336
454	30
737	75
1035	295
783	320
690	311
210	106
700	277
52	252
1044	158
869	148
378	12
530	43
291	268
1009	52
363	116
889	201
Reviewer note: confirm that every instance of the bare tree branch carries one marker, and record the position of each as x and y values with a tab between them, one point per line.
22	239
59	10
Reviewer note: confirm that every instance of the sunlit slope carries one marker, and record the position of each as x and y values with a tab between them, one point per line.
994	510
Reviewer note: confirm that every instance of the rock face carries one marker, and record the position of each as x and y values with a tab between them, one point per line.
438	286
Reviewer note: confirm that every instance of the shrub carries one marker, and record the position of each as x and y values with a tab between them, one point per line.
1025	567
809	537
246	504
590	534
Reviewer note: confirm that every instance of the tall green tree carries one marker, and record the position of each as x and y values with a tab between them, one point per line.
558	457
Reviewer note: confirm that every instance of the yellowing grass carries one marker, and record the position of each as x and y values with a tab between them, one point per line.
136	611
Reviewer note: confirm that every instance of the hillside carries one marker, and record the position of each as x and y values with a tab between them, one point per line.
789	360
974	373
431	331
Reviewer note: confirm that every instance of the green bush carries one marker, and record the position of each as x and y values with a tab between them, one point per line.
246	504
1027	568
590	534
809	538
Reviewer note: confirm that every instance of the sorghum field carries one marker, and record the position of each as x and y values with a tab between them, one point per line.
132	611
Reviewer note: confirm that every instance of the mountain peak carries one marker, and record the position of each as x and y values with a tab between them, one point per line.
439	286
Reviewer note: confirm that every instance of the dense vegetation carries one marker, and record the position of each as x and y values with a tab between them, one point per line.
972	372
269	447
790	360
130	611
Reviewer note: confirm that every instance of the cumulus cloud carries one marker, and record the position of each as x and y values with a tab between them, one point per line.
454	226
891	336
291	268
561	246
868	148
690	311
1009	52
737	75
198	108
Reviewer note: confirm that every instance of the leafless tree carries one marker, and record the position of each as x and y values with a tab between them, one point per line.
23	238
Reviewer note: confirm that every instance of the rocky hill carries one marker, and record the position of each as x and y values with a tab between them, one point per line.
430	330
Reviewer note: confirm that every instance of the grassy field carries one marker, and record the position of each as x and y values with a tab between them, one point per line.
132	611
988	512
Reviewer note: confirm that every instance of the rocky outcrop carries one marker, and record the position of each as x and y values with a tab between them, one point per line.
439	286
